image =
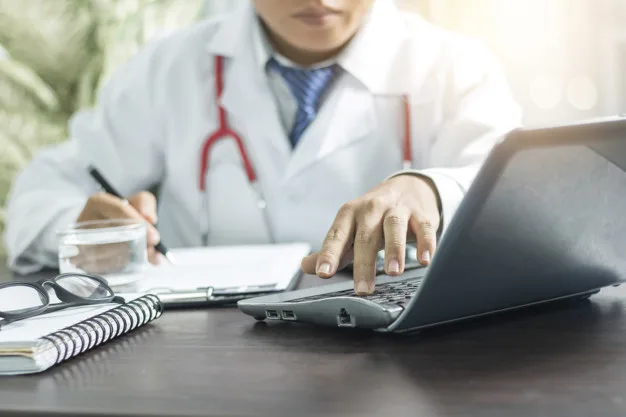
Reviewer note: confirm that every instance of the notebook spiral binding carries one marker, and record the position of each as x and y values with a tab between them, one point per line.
78	338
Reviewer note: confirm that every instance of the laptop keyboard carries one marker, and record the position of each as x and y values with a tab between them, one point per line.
395	293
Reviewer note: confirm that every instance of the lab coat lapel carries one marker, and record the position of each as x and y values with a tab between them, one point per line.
249	103
385	60
247	99
391	58
346	118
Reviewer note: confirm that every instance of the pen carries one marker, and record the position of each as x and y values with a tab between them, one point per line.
201	297
160	247
186	298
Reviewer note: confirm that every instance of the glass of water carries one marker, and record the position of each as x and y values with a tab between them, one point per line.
114	249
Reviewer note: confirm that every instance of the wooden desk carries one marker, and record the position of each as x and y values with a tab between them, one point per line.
568	361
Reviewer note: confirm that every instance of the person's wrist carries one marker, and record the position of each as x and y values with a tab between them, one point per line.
426	191
423	185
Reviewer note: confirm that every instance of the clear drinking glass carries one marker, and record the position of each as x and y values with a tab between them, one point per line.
113	249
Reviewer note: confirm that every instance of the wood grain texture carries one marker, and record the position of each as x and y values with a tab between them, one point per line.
567	360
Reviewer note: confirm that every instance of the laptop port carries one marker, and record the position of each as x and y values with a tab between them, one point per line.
288	315
344	319
272	314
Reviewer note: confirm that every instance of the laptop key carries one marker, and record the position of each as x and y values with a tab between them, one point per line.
394	294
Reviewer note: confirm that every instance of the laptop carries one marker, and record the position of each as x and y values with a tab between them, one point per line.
544	220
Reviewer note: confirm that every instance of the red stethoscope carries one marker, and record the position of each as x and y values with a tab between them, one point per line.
224	131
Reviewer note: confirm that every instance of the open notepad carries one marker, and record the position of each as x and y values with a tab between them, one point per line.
38	343
228	269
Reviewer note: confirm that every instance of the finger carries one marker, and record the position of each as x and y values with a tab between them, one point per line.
101	253
102	267
395	226
309	263
426	238
103	260
347	258
146	205
154	257
367	241
111	207
104	251
336	243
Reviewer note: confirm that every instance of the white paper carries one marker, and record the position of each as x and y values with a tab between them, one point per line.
33	328
228	268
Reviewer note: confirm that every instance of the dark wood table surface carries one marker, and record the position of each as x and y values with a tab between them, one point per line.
567	360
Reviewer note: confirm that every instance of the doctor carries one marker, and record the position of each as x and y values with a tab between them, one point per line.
356	127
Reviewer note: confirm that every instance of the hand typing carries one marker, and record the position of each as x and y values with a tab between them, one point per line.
400	210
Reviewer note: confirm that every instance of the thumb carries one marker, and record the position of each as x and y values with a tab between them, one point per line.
145	203
309	263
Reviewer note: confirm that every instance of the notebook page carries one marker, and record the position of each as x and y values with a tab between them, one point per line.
232	268
35	327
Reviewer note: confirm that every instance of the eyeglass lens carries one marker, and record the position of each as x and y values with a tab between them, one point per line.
19	299
84	287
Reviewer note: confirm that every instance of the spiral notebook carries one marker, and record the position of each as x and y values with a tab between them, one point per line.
38	343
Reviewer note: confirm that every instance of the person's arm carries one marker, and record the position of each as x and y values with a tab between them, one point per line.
121	136
480	110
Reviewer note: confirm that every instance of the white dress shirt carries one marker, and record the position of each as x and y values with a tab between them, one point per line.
287	105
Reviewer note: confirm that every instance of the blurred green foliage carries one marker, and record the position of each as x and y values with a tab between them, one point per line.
58	54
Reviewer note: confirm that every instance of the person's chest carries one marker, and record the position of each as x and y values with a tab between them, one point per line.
354	143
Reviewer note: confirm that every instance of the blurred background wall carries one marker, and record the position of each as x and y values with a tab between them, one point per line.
565	59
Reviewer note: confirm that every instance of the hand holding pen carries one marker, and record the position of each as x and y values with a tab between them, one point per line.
111	205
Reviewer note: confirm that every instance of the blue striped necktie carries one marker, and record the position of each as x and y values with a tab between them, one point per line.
307	87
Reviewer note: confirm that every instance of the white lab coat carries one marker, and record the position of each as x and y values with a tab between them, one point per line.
155	113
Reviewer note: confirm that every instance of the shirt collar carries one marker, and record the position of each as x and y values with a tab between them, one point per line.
380	56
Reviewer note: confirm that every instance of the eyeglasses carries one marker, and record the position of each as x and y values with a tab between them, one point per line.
20	300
